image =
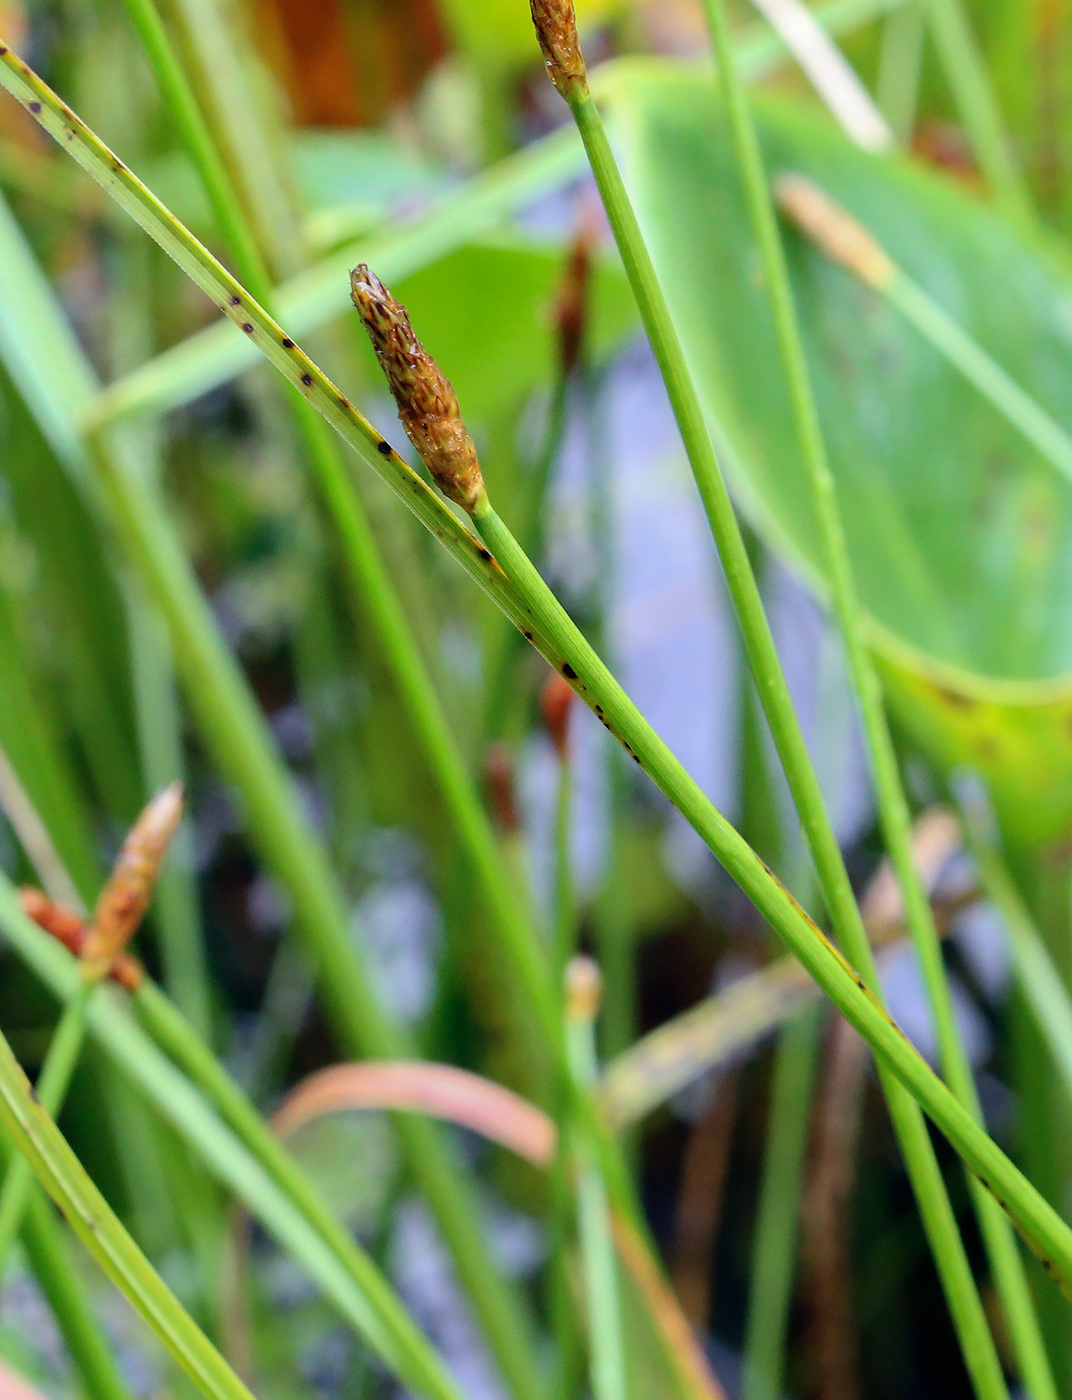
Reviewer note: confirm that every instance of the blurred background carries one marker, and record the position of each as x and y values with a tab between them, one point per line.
423	137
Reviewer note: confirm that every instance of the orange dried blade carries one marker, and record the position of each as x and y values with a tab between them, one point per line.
420	1086
126	895
69	928
72	931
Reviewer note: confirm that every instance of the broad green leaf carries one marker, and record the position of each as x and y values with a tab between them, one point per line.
960	534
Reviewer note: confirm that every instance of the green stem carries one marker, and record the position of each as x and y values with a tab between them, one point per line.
370	585
55	1272
36	1136
936	1210
570	652
980	369
174	1034
966	74
774	1250
51	1090
900	66
565	921
599	1265
516	587
894	814
338	1267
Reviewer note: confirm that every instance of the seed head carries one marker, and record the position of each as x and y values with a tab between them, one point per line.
572	305
584	989
427	404
836	232
556	701
556	29
72	931
125	897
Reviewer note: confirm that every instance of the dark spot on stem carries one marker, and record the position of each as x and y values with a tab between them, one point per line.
247	327
343	401
35	108
307	379
599	710
287	343
568	671
384	447
3	50
236	301
636	759
527	636
485	554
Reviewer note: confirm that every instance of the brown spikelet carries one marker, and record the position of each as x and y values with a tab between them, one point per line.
833	229
499	771
556	29
427	404
572	304
556	701
584	989
126	895
72	931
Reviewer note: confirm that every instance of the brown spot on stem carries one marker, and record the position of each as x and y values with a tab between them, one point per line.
35	108
236	300
287	343
568	671
485	554
247	326
307	379
384	447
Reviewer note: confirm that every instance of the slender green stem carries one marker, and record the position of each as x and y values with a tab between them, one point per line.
900	66
237	732
843	984
935	1208
173	1033
600	1269
370	584
51	1090
893	808
55	1272
516	587
37	1137
565	920
774	1250
980	369
966	74
312	297
1036	972
193	130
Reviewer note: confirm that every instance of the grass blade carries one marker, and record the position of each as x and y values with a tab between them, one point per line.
515	585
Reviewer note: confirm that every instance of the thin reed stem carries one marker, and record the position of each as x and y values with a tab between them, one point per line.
958	50
51	1090
514	584
50	1260
851	245
774	1249
36	1136
939	1219
895	818
606	1345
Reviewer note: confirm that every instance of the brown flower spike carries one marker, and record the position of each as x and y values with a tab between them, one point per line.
72	931
427	404
125	897
556	29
